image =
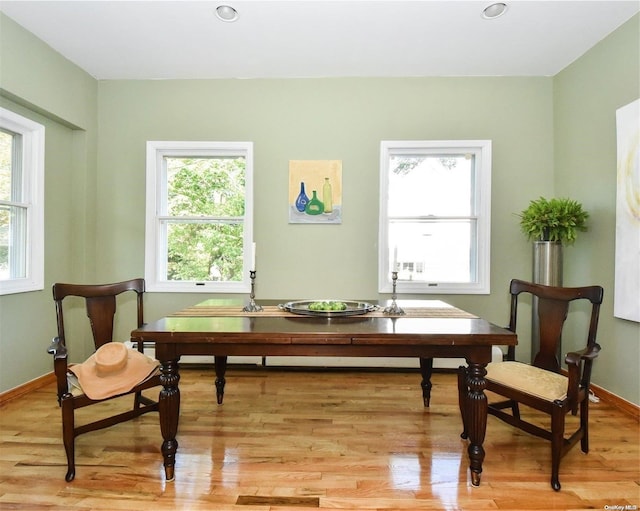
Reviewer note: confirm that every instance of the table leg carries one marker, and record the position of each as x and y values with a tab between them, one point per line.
426	368
221	369
463	390
169	410
476	419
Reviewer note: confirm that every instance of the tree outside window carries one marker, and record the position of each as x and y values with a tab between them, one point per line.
198	189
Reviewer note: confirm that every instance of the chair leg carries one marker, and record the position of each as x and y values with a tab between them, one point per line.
68	436
557	441
462	399
584	424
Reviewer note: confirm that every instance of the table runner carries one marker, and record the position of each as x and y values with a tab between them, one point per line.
275	311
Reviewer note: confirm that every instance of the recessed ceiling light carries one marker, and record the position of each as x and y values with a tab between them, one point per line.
226	13
494	11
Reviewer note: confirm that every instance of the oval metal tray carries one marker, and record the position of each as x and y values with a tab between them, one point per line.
353	308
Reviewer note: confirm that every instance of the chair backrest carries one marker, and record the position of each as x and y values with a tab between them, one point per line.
553	307
100	300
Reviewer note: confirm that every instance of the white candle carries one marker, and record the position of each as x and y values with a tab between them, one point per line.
253	256
395	258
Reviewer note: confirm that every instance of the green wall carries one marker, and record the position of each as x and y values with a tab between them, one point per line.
342	118
41	85
586	97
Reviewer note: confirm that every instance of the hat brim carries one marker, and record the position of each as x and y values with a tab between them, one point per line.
138	368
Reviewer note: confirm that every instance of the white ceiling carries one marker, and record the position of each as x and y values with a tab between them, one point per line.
121	39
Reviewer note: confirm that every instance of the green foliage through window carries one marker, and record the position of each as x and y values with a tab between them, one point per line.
205	218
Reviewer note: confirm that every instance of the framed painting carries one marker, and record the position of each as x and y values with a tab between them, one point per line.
315	191
626	300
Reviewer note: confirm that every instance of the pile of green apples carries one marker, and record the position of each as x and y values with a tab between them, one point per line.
327	306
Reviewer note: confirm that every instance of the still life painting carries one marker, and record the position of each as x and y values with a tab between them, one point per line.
315	191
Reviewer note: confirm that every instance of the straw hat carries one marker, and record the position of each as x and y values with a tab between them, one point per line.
113	369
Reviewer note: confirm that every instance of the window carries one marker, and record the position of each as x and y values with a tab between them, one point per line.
21	204
199	225
435	216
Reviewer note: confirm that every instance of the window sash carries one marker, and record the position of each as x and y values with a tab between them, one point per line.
17	240
159	222
24	209
432	250
475	263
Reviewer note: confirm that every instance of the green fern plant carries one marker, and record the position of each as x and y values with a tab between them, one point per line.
553	220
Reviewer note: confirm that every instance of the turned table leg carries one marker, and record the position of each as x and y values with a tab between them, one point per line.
476	418
169	410
221	369
426	369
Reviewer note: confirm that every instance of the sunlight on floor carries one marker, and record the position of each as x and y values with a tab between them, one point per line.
407	473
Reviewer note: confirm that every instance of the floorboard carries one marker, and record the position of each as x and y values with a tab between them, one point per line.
286	439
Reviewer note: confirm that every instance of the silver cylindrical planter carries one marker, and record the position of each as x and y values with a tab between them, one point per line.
547	270
547	263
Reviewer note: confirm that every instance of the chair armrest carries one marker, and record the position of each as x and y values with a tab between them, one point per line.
56	349
574	361
59	352
575	357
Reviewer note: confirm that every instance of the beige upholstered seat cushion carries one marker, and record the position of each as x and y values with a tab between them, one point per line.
530	379
73	384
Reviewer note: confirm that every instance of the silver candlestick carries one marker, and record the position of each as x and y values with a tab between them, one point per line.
253	306
394	308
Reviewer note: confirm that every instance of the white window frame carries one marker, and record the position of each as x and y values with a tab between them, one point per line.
32	183
481	149
155	240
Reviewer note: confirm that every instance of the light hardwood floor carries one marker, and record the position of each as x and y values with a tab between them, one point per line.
309	440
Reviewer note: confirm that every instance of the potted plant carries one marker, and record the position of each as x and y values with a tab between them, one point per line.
550	224
557	220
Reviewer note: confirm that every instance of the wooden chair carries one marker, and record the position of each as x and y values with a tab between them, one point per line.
100	301
543	385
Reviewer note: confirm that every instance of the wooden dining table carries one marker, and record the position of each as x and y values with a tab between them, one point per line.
428	329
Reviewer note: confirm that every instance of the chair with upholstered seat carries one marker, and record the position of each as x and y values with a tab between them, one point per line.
543	385
100	302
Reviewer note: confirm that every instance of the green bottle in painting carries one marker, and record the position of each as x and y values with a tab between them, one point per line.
314	206
327	199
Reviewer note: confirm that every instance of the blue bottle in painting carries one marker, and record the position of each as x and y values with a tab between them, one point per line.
302	200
